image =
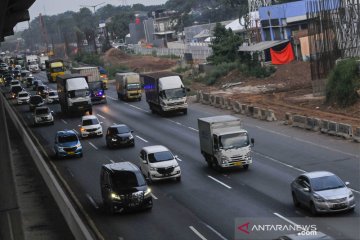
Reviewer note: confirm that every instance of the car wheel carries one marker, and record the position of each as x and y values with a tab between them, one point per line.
313	210
246	166
178	179
81	155
352	209
295	200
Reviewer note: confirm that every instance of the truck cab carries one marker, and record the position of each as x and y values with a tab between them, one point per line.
128	86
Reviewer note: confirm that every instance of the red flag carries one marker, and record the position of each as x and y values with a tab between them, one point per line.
283	56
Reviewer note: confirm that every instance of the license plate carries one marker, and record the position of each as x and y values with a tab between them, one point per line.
71	153
339	205
237	164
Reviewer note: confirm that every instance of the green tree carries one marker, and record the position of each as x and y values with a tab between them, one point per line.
119	24
224	45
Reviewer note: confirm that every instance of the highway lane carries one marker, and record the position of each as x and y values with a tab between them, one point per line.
250	191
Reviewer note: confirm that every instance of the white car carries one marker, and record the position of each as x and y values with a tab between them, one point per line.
90	126
52	97
23	97
157	163
43	115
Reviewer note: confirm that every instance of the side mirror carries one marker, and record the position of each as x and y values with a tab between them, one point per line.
252	141
144	162
176	157
347	183
132	131
306	189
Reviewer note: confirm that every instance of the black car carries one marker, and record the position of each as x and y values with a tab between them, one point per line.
29	81
42	90
35	101
123	187
8	79
119	135
36	83
14	90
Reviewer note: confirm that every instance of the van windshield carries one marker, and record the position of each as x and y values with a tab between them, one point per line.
42	111
160	157
89	122
133	86
234	140
78	93
68	138
57	69
127	179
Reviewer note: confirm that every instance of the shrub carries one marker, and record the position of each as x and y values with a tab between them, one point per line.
112	70
220	71
343	82
89	58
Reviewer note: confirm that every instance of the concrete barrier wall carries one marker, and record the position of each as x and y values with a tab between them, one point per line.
75	223
288	119
256	113
312	124
270	115
299	121
345	130
333	128
324	126
356	134
212	100
236	107
205	98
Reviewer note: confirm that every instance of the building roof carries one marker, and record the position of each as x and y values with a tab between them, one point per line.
261	46
238	26
203	34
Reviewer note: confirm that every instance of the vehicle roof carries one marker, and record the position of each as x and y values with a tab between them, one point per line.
52	90
65	133
23	92
15	80
317	174
35	96
41	108
121	166
155	148
118	125
86	117
67	76
160	74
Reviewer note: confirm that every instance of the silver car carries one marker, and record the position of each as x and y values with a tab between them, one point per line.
322	192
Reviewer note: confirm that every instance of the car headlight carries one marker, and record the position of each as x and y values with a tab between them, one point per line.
147	192
153	168
223	159
318	198
351	195
78	145
115	196
131	137
82	129
113	139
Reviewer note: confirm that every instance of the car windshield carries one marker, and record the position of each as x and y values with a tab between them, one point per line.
96	85
160	157
88	122
326	183
174	93
23	95
68	138
42	111
122	129
16	89
52	93
57	69
36	100
133	86
127	179
15	82
234	140
41	88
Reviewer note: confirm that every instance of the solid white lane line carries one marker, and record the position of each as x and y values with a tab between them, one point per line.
197	233
111	98
216	232
10	226
194	129
64	121
179	159
178	123
277	161
93	145
133	106
75	131
92	201
218	181
141	138
285	219
101	116
154	197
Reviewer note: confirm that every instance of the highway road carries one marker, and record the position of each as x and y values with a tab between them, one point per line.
206	204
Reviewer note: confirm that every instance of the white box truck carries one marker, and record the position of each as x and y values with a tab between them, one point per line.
128	86
224	143
32	63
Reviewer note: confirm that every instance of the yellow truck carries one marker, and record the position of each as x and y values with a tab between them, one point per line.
54	68
128	86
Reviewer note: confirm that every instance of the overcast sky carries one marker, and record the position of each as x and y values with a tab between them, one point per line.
51	7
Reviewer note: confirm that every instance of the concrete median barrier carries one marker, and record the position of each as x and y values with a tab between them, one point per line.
312	124
344	130
299	121
198	96
205	98
333	128
227	104
212	100
236	107
324	126
270	115
249	110
256	113
288	119
243	109
356	134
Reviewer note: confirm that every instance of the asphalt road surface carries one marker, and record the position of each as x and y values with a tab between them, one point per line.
206	204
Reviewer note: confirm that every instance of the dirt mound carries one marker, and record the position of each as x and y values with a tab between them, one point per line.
116	57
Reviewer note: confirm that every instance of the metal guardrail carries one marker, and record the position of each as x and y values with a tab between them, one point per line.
76	225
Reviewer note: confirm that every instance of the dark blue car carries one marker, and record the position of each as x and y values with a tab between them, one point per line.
67	144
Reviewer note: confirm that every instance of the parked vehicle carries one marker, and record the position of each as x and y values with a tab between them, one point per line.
128	86
35	101
54	68
96	86
165	92
123	187
158	163
67	144
23	97
90	126
52	97
43	115
119	135
14	90
322	192
74	94
224	143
